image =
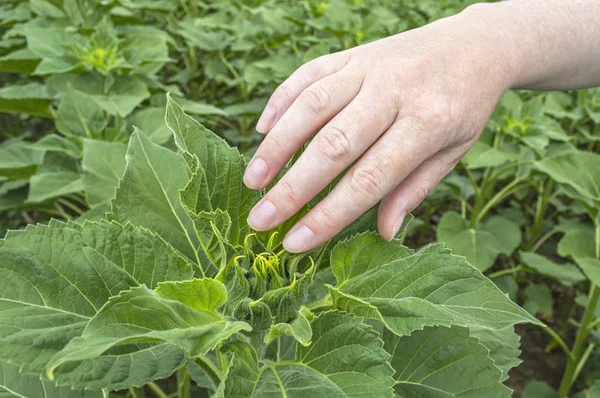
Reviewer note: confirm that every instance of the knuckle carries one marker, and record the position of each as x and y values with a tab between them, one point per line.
313	68
287	192
323	219
316	99
274	145
283	93
421	193
334	145
366	181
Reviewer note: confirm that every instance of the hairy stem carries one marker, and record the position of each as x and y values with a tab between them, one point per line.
183	383
210	369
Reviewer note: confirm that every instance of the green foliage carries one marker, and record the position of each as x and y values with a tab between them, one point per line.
83	137
178	278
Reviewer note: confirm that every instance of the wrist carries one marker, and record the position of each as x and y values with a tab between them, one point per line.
490	31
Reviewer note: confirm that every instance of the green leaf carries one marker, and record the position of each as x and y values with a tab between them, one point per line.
15	384
567	274
539	300
577	244
576	169
152	122
148	194
117	95
18	160
345	359
537	389
220	169
479	246
506	232
44	186
213	230
31	99
79	116
142	319
19	61
591	268
57	277
362	253
57	143
503	345
443	362
103	166
430	287
299	329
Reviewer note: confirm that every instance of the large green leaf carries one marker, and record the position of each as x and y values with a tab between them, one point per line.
148	194
503	345
479	245
14	384
345	359
442	362
567	274
428	288
80	116
30	99
57	277
103	166
18	160
180	314
44	186
117	95
358	255
19	61
577	169
220	170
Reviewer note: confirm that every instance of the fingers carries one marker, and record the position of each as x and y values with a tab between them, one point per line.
288	91
389	161
413	190
336	146
312	109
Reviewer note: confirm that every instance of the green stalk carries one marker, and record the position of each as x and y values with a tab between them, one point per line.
183	383
575	365
559	340
210	369
582	334
508	190
540	210
157	390
505	272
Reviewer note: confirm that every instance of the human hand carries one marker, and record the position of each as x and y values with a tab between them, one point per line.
402	111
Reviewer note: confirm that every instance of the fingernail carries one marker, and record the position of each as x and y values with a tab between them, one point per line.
256	173
266	119
299	239
398	225
262	216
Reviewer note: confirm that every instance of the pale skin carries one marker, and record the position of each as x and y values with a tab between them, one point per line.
402	111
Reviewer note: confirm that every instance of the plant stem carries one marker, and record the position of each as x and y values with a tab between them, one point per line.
505	272
500	196
71	206
582	334
210	369
321	305
541	241
559	340
157	390
583	360
543	201
183	383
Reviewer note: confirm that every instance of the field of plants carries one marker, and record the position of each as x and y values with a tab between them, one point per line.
127	267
